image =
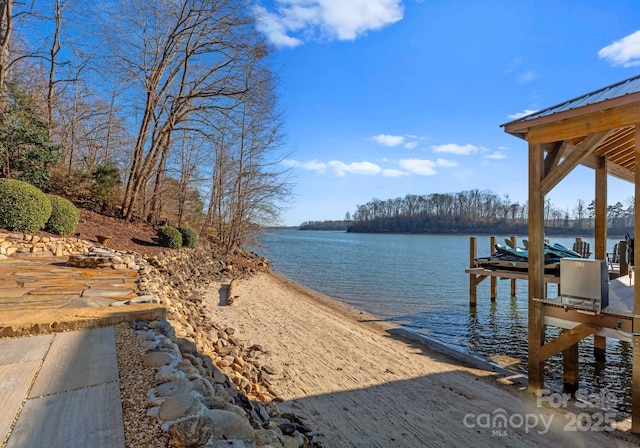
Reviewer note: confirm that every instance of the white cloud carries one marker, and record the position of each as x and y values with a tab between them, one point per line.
498	155
339	168
366	168
524	113
275	29
453	148
624	52
526	77
410	145
311	165
389	172
388	140
326	19
423	167
446	163
517	68
514	65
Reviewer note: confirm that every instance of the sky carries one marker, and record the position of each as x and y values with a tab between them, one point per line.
384	98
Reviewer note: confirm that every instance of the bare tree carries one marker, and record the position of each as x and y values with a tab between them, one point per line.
184	57
6	26
54	50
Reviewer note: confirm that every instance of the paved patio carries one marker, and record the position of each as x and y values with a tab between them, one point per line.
61	389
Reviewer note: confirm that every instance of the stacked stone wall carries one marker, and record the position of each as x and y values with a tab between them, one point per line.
17	243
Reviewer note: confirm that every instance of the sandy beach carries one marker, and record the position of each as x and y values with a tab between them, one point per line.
364	383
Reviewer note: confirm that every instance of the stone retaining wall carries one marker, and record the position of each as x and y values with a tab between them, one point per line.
15	243
213	387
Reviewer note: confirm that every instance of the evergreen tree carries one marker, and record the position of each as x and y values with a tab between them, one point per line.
26	153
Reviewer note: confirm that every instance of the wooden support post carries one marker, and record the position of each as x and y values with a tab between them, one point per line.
473	254
536	268
571	373
600	249
624	264
599	348
635	379
635	375
514	286
494	280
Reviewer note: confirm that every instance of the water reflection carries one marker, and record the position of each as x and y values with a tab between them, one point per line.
433	300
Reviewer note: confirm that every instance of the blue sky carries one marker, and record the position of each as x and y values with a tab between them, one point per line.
384	98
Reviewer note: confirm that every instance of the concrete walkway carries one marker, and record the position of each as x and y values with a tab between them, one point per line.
70	381
61	389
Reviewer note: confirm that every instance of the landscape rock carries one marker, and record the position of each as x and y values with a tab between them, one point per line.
210	390
178	406
192	432
155	359
180	386
230	425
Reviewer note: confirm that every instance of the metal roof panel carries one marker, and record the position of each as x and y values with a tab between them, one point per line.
619	89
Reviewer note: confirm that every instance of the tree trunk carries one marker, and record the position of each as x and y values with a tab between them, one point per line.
6	26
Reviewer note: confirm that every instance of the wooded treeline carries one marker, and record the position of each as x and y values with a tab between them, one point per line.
476	211
163	110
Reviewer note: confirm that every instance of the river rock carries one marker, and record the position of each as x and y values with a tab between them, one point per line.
187	346
166	374
178	406
290	442
180	386
155	359
269	437
192	432
229	425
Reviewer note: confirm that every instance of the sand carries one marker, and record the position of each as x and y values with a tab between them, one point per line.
360	382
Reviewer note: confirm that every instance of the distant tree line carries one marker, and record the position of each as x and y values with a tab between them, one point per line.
476	211
324	225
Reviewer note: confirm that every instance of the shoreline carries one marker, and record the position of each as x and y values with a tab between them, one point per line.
466	358
361	381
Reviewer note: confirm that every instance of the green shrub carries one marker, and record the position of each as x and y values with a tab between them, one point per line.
189	237
23	207
106	179
64	216
169	237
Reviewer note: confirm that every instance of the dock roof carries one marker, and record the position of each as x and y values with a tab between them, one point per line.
611	112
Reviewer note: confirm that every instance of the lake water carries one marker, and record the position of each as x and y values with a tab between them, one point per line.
418	281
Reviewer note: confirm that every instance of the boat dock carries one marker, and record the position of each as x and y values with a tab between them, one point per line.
577	322
519	271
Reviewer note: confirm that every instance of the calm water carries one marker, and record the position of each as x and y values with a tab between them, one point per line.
419	282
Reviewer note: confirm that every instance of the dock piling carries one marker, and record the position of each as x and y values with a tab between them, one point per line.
494	280
514	286
473	254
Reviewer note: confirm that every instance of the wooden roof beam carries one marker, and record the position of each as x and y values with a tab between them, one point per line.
612	169
614	118
613	113
577	153
555	153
